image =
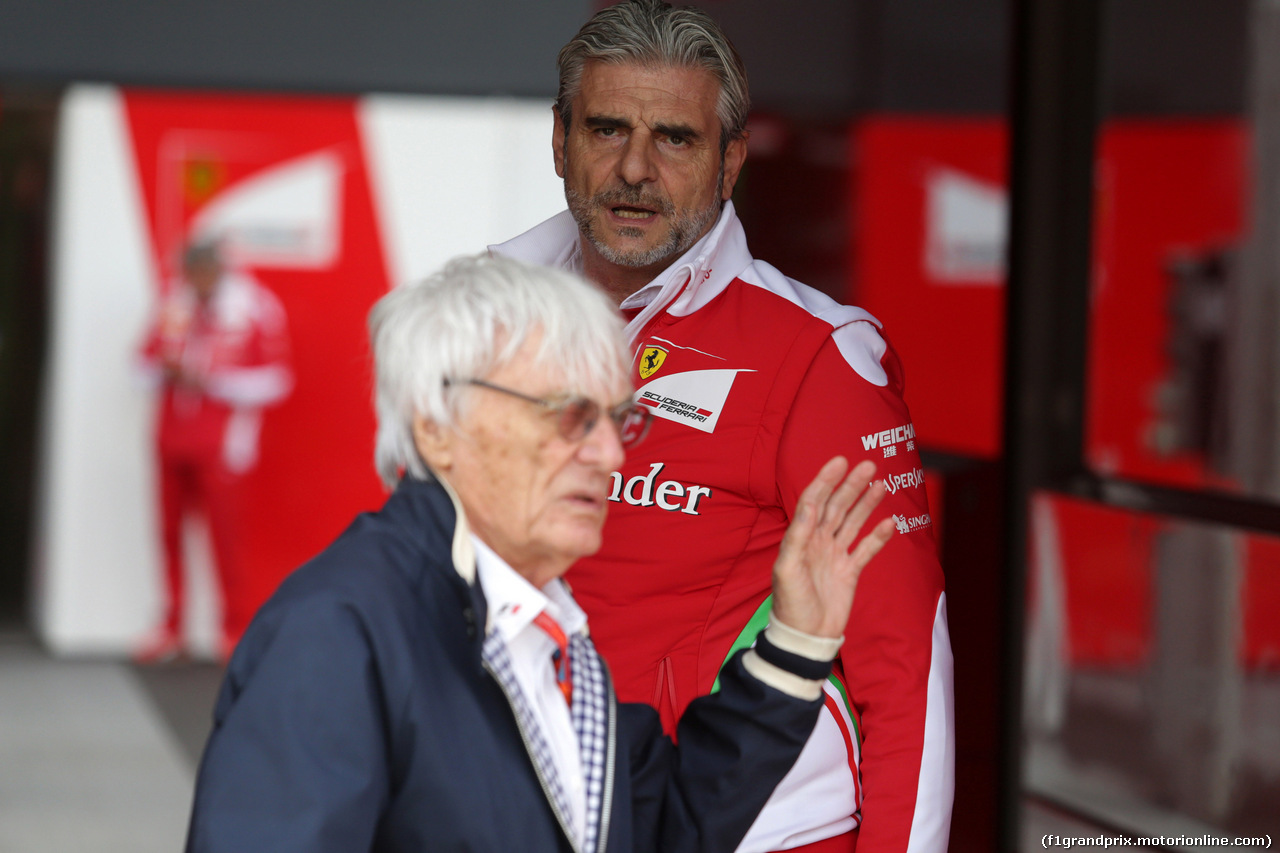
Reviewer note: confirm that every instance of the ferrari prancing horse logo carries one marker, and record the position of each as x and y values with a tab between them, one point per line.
651	360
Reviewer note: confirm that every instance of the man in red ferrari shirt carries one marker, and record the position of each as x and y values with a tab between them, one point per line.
755	380
218	353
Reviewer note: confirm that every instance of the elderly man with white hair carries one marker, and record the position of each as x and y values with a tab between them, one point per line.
428	682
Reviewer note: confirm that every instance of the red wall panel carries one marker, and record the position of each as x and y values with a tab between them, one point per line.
316	467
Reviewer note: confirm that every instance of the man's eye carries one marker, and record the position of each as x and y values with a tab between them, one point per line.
607	131
678	141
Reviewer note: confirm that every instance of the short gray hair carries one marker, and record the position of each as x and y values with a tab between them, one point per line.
467	320
655	34
202	253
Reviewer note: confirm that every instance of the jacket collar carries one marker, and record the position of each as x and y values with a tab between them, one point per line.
434	511
461	548
553	243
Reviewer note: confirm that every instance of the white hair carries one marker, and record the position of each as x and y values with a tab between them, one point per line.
469	319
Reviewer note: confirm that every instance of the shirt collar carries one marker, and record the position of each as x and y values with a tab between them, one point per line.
514	602
461	549
694	259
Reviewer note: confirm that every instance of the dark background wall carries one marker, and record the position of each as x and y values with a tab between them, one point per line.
466	47
818	57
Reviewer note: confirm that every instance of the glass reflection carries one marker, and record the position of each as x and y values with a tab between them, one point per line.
1184	364
1152	671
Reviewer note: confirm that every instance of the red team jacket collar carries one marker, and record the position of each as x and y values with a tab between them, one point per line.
693	280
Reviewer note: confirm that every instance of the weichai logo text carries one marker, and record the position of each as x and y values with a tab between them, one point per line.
692	411
645	490
887	437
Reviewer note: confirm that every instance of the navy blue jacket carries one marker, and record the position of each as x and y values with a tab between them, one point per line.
356	715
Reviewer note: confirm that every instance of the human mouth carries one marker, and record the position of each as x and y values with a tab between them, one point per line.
592	499
634	204
632	213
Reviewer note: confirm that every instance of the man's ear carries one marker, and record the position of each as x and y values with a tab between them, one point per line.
558	133
434	444
735	154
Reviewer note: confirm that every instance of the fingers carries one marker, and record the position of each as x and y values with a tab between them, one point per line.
810	509
846	493
835	507
872	543
837	517
814	498
818	565
854	519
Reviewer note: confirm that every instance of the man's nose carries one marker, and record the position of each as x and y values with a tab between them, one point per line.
637	165
602	446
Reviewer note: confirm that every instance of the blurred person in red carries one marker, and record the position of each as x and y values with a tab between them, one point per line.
218	354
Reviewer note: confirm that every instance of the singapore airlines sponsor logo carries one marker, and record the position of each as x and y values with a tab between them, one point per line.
651	360
910	524
694	398
644	490
910	480
889	439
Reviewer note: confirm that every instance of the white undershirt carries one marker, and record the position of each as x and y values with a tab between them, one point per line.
513	604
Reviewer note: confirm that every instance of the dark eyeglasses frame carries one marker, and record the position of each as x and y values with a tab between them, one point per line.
577	416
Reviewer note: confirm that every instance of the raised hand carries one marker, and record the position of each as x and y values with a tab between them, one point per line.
816	573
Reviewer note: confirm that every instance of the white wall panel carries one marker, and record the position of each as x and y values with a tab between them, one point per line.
96	539
452	175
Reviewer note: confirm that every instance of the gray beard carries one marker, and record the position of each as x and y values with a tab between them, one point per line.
686	226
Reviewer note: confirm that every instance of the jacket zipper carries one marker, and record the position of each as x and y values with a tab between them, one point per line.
528	748
606	799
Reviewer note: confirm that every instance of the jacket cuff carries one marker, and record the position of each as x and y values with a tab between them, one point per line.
788	660
810	646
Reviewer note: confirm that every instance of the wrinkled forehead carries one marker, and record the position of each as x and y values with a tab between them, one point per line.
563	365
651	84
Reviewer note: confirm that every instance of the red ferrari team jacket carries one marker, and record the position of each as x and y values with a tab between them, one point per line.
755	381
236	348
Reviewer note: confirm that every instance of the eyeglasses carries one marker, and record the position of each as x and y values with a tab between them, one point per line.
577	416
